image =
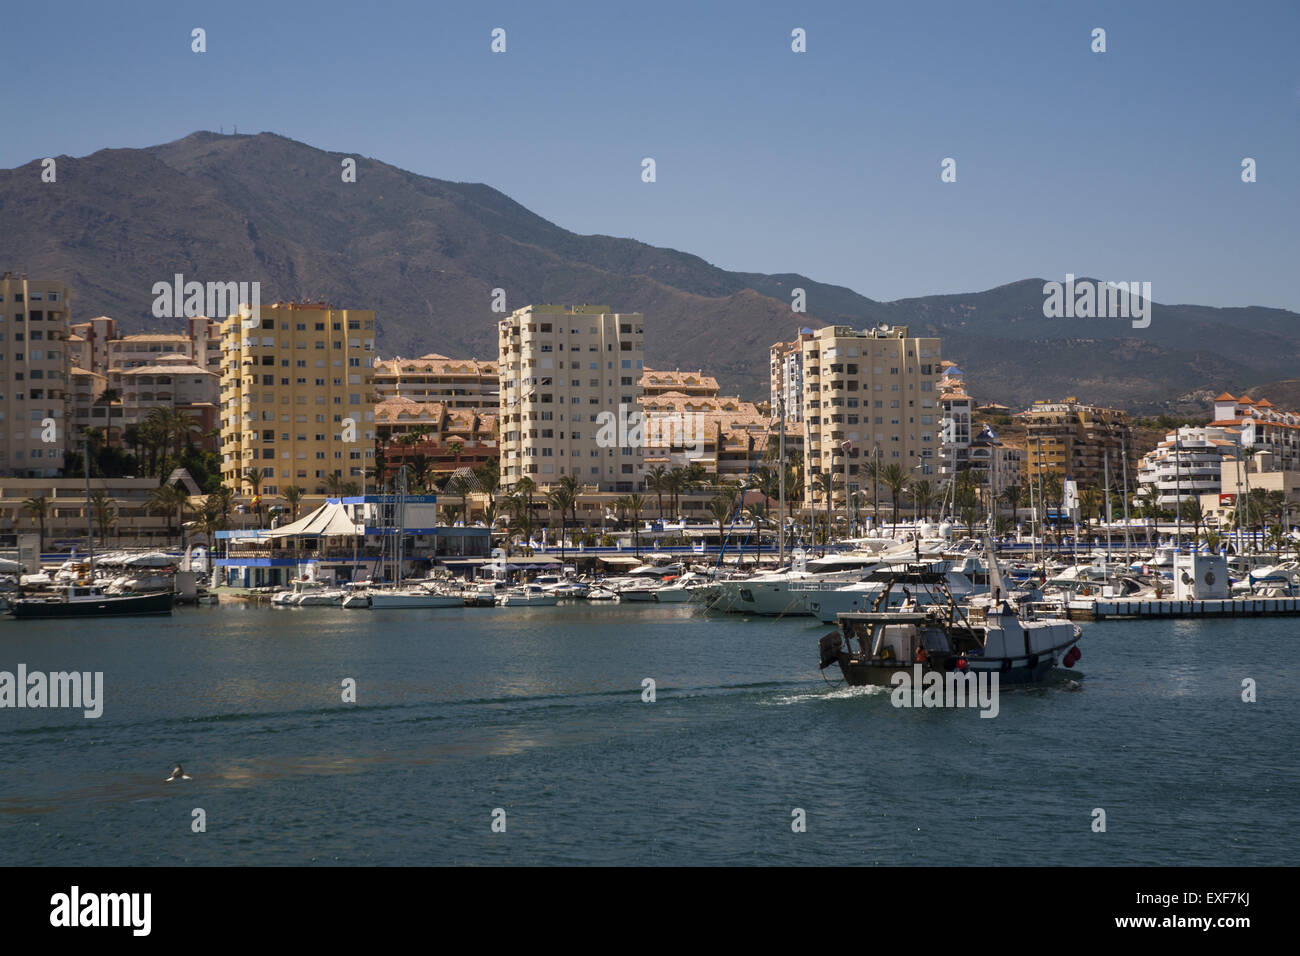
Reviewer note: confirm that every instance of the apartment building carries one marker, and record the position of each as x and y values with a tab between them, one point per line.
870	393
723	435
785	374
34	376
678	383
1264	427
1188	463
455	383
144	371
434	438
1072	440
570	388
1202	460
293	389
101	346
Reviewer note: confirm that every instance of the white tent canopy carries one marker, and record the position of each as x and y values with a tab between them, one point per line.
329	518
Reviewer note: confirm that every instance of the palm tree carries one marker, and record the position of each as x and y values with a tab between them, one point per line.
525	486
212	520
824	483
1012	495
560	498
923	493
101	505
459	485
39	508
1190	510
170	499
656	480
333	485
293	497
253	477
636	504
574	488
720	508
108	398
894	478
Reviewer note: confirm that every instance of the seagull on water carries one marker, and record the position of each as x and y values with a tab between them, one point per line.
178	774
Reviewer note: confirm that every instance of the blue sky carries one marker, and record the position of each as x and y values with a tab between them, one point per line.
1123	165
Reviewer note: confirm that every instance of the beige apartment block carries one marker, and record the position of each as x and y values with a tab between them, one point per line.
655	382
456	383
871	393
785	374
34	376
1070	439
570	394
292	388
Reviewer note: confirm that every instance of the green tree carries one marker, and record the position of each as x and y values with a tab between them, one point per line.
38	507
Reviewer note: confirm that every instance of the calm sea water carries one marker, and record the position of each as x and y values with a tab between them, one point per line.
538	711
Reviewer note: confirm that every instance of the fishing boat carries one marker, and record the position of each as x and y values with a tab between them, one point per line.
985	637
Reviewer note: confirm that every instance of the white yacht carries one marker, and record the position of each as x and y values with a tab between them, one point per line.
529	595
921	584
413	597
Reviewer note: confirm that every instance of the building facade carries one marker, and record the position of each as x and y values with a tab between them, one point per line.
869	394
570	393
34	376
294	390
1072	440
455	383
785	374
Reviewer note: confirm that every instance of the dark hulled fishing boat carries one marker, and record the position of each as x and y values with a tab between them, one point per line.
985	637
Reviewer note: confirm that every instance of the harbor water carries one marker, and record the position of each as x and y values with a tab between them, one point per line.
541	713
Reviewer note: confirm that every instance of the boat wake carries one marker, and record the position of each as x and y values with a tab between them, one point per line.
831	693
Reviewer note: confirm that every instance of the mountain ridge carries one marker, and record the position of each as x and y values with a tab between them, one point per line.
426	253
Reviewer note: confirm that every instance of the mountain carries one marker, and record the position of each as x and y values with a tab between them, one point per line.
425	254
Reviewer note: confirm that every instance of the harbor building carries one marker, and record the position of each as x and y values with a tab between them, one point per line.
869	394
1069	439
570	386
294	389
34	376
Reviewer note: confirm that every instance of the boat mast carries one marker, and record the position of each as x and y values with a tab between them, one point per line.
90	527
1109	515
780	532
1127	543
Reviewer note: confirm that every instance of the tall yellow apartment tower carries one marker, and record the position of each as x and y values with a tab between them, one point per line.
34	377
294	388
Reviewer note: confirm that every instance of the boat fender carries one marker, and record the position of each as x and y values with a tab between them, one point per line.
1072	657
961	664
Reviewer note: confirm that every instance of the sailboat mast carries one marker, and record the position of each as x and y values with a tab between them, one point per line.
90	526
780	533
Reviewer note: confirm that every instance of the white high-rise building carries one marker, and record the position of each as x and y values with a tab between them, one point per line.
571	386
